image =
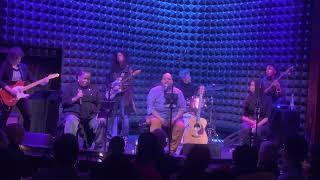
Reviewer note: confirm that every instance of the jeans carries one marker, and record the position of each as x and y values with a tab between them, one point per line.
118	114
94	130
24	108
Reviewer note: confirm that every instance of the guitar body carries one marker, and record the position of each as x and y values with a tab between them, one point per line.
10	100
117	85
115	89
195	132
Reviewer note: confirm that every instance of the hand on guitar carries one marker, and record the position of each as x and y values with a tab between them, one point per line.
116	88
14	91
276	84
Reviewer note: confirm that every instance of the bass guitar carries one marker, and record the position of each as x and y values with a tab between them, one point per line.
277	79
10	100
119	85
195	132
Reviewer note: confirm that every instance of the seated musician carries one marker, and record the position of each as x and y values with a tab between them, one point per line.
81	103
159	112
256	97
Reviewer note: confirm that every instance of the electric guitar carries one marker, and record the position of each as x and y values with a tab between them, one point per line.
118	85
10	100
278	78
195	132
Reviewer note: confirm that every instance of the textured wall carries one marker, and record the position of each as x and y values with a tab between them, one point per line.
225	42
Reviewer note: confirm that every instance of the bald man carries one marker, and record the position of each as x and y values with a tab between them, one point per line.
159	112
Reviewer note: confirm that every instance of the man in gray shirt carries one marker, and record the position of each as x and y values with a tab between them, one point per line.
159	111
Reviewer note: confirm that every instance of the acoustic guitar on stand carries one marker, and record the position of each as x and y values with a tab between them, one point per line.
10	100
195	132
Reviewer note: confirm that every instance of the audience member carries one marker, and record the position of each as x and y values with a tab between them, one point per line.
15	133
315	162
117	166
6	164
147	155
268	156
65	151
196	163
166	164
245	160
293	154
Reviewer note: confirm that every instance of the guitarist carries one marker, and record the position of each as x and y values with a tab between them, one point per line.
272	87
159	113
11	71
123	101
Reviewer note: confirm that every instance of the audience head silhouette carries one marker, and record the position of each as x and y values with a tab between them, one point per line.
116	145
66	150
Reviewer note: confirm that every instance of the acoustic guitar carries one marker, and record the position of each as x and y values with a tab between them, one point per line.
10	100
195	132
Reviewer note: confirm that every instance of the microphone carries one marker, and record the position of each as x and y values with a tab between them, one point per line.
166	87
80	99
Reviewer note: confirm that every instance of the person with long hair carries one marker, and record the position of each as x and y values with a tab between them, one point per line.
123	101
256	98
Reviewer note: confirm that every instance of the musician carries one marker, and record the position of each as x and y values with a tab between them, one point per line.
185	84
11	71
159	112
81	103
272	87
123	102
256	97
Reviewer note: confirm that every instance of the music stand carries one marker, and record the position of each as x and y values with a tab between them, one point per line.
171	100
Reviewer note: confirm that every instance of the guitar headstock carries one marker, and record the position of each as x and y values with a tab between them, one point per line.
136	72
52	76
289	70
201	90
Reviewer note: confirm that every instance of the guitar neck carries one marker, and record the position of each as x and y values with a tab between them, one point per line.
199	108
29	86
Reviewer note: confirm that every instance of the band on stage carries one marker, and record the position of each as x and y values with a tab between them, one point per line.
174	107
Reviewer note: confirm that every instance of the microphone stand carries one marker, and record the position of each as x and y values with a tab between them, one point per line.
171	101
109	86
257	113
